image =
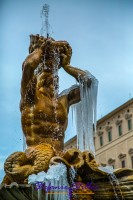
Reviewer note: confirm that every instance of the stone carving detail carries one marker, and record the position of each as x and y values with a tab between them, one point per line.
100	133
19	165
128	116
103	164
130	151
121	155
108	128
111	160
118	122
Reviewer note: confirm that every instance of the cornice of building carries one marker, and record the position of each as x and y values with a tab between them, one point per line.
70	140
117	110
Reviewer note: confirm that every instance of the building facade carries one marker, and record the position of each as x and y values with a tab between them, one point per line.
114	138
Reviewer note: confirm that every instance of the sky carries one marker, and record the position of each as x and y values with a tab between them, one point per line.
101	35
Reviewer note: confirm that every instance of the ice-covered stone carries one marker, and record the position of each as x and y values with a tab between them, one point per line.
107	169
32	178
40	176
54	181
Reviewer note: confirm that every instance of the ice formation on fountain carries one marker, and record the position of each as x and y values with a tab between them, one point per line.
54	181
107	169
85	112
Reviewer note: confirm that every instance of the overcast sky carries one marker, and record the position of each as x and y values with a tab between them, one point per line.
101	35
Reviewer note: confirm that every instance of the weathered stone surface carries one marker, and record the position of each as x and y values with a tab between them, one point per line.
16	193
27	192
34	160
103	191
122	187
87	172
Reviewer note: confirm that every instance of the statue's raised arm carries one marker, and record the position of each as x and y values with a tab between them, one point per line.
32	60
77	73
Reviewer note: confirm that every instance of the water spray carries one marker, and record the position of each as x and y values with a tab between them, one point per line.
45	20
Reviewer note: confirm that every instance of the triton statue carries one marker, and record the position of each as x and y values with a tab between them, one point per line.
44	116
45	112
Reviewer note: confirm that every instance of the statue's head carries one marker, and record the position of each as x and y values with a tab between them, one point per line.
51	49
37	41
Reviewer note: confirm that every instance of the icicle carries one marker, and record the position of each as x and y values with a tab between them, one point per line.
86	113
32	192
66	91
72	108
79	127
72	175
47	192
39	194
58	177
54	180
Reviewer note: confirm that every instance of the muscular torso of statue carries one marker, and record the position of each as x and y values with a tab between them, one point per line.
44	117
45	120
